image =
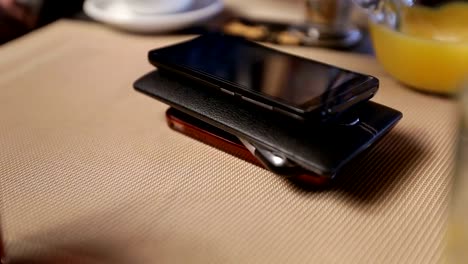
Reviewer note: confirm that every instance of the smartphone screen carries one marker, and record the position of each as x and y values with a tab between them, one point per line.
265	75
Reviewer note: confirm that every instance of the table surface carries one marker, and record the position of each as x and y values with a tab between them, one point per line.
91	174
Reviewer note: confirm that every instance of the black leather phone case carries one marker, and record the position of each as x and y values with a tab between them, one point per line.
322	148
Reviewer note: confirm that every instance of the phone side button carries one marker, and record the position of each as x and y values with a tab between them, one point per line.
227	91
257	103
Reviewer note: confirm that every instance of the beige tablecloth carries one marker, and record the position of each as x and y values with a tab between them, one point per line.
90	172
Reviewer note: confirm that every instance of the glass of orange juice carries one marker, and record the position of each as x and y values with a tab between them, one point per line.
422	43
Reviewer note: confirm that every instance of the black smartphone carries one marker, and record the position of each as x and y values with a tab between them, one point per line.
266	77
318	147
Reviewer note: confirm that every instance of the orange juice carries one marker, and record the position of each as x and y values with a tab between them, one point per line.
430	50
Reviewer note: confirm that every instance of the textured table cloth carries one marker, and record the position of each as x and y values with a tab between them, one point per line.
90	173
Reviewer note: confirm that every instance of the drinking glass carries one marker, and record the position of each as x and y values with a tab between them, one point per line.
457	229
328	23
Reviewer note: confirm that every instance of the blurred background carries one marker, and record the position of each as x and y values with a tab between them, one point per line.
18	17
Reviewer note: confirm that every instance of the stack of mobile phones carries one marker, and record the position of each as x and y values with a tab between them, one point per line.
295	116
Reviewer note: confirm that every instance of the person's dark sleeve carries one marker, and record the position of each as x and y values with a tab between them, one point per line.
52	10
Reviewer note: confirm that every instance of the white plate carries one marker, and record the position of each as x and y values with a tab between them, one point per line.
118	14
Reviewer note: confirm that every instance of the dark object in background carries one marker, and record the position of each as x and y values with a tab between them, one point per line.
434	3
10	27
54	9
18	17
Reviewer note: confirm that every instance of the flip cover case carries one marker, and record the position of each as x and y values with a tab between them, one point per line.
220	139
321	148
